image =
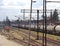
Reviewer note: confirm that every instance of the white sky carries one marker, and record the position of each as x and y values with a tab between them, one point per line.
53	5
17	4
26	4
12	8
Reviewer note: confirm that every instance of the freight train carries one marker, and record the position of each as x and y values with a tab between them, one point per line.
51	29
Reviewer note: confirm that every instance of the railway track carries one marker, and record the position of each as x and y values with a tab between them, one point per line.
32	42
48	39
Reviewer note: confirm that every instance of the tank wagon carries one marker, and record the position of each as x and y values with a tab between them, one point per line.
51	29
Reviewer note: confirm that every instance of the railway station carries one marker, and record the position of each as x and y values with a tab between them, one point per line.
30	23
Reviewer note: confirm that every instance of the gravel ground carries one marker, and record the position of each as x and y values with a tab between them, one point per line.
5	42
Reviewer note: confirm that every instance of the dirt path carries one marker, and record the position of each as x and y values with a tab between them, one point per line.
5	42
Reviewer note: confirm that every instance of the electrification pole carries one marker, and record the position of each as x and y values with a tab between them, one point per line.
37	24
45	21
30	21
44	24
24	17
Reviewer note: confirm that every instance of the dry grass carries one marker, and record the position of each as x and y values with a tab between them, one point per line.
21	35
41	34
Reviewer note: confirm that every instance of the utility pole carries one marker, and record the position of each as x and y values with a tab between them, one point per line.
30	21
45	21
51	17
44	24
24	17
37	24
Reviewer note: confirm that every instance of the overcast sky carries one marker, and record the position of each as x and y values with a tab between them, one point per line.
11	8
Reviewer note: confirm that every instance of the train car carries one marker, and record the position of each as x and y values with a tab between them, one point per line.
51	29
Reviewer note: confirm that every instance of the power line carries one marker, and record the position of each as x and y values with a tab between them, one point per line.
53	1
